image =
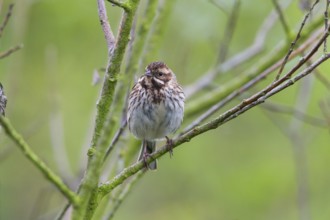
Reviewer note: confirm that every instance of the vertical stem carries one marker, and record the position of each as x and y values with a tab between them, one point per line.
96	153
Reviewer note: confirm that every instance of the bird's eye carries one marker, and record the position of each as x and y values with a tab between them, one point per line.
160	74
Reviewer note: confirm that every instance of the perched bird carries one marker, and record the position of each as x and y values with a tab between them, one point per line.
155	108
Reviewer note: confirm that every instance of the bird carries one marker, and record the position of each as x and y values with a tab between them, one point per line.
155	109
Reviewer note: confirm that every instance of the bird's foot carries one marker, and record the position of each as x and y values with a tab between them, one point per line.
145	160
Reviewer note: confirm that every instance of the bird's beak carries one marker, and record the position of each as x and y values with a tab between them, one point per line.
148	73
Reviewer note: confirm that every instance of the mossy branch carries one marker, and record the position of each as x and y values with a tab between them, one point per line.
37	162
232	113
98	148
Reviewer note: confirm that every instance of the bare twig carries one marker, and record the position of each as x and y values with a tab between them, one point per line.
6	19
249	84
294	112
326	24
121	94
322	79
104	121
219	6
325	109
44	169
109	37
282	19
117	135
56	128
123	192
229	31
299	145
237	59
232	113
120	4
293	44
10	51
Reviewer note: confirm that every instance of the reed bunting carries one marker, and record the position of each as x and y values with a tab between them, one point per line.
155	108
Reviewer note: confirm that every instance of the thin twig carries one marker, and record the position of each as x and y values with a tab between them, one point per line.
219	6
229	31
232	113
121	94
122	5
249	84
117	135
294	112
156	32
299	149
43	168
322	79
282	19
325	109
6	19
326	24
102	134
108	34
235	60
293	44
121	195
212	97
10	51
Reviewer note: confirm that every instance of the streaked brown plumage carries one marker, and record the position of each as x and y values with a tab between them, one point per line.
155	108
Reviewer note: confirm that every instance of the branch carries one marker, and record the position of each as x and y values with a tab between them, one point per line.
219	6
5	21
295	40
122	5
98	147
296	113
158	29
237	59
229	31
239	109
122	90
39	164
326	24
282	19
212	97
109	37
10	51
123	193
238	91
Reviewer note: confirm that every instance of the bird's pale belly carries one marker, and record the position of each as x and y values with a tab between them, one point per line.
155	121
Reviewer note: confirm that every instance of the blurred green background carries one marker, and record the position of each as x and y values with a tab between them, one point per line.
247	169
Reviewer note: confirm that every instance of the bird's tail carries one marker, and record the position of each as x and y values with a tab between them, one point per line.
148	147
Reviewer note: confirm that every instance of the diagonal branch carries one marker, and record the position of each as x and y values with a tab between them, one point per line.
7	17
282	19
123	5
10	51
293	44
98	147
43	168
236	60
212	97
232	113
251	83
109	37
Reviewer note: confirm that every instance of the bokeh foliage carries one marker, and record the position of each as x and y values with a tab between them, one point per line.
243	170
